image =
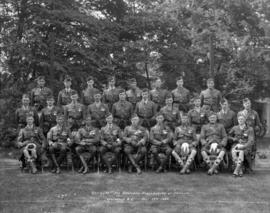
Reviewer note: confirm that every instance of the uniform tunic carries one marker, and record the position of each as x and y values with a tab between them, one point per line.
64	97
39	96
134	96
75	114
122	111
146	112
198	118
48	118
88	96
21	113
98	113
228	119
211	98
171	116
158	96
181	97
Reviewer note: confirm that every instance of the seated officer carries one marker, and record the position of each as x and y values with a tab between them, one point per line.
64	96
242	137
160	137
32	143
146	110
40	94
181	95
158	95
89	92
185	143
26	109
98	111
134	94
111	141
213	140
111	95
74	112
87	140
135	138
171	113
48	115
59	141
122	110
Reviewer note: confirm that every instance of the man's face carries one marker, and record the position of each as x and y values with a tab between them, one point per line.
90	82
67	84
184	119
74	97
241	120
60	120
169	101
197	102
145	95
225	105
97	97
50	102
158	83
26	101
112	82
122	96
213	119
41	82
30	120
109	119
180	83
210	84
247	105
160	119
88	121
135	121
133	84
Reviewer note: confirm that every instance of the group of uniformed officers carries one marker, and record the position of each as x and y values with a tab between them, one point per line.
157	126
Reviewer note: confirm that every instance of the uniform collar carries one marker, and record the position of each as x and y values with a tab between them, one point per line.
25	107
30	127
67	89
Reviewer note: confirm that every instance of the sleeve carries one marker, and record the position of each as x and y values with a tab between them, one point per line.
42	137
137	108
257	120
102	141
251	138
32	97
224	136
59	99
194	136
83	98
20	136
153	140
113	110
50	135
36	118
202	98
41	119
202	136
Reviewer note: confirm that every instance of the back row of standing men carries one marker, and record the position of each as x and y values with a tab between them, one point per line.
123	105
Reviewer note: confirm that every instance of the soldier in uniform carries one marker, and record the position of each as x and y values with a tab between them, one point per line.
59	142
181	95
213	140
20	114
40	93
111	141
211	97
158	95
32	143
160	138
122	110
134	94
74	112
226	116
171	113
98	111
135	138
252	120
64	96
87	140
48	115
185	143
146	110
89	92
111	95
243	139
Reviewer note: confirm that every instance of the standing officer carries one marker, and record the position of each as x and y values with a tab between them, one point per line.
211	97
25	109
122	110
134	94
40	93
111	141
87	140
160	137
74	112
185	143
226	116
171	113
89	92
111	95
59	142
32	143
146	110
158	95
64	96
48	115
181	95
213	140
135	137
98	111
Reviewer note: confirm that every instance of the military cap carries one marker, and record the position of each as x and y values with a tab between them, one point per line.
41	77
169	96
223	100
212	114
246	100
134	116
109	115
196	98
67	78
122	91
179	78
90	78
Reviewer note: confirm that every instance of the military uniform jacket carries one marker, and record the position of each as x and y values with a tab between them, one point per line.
160	133
111	96
48	118
211	97
197	118
109	134
39	95
185	134
213	133
228	119
59	134
88	96
32	134
158	96
170	114
75	111
20	115
252	118
136	134
246	135
145	110
64	97
98	112
134	96
181	95
90	135
122	110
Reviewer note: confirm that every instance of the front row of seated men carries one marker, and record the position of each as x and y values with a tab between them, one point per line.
110	141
